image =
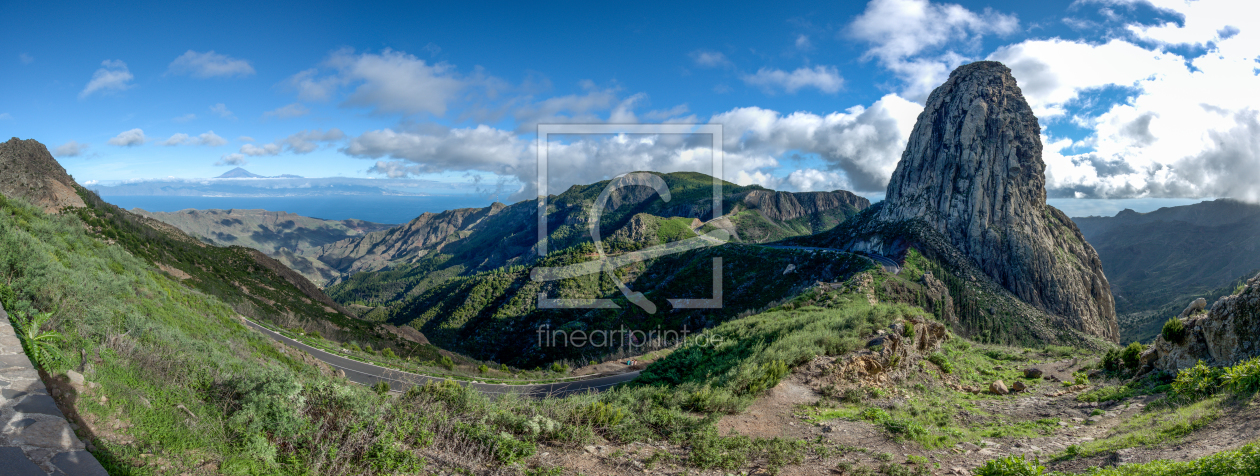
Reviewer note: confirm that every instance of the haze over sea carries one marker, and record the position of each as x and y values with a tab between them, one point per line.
374	208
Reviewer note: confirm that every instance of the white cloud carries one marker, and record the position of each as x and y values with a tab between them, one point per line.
803	43
129	138
231	159
860	148
25	58
709	59
824	78
1189	126
245	139
289	111
184	118
1053	72
208	139
222	111
209	65
907	37
303	142
112	76
70	149
389	82
5	116
265	149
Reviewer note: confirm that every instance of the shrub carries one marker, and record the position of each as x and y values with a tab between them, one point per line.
40	344
559	368
1011	466
908	332
1196	383
1111	361
602	414
389	353
1131	354
1243	377
354	347
446	362
504	368
874	414
381	387
482	368
1174	331
942	362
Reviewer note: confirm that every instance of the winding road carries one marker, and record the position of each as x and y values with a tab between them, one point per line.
889	264
368	374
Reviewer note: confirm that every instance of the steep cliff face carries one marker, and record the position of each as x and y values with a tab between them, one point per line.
783	206
972	171
28	171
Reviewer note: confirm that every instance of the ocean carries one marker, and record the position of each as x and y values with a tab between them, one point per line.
373	208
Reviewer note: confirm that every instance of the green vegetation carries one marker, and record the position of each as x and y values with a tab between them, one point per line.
1011	466
1174	331
1245	460
38	343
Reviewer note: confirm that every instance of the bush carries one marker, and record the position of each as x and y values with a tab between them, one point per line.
1197	383
1011	466
40	344
1111	362
1174	331
602	414
942	362
908	333
482	368
1243	377
381	387
559	368
388	353
1131	354
446	362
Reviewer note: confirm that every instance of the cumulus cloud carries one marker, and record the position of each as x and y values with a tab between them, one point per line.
859	147
221	110
1188	125
916	39
129	138
389	82
209	65
824	78
113	76
231	159
287	112
70	149
303	142
208	138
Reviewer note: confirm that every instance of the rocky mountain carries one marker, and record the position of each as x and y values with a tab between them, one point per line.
479	239
1158	261
242	173
29	171
972	175
280	235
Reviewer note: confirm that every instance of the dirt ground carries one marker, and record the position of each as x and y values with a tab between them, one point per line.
781	413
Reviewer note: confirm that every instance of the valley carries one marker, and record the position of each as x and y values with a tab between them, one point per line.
960	326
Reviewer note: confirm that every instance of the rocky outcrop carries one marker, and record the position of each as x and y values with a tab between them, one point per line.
890	355
973	172
783	206
29	172
1224	335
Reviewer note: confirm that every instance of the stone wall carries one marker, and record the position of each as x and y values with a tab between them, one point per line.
35	438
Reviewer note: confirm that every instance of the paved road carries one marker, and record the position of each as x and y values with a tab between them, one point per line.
398	380
889	264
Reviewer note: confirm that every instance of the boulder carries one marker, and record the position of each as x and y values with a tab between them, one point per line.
998	388
1018	386
1196	306
1032	372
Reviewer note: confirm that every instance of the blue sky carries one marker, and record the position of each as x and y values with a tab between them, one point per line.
1137	99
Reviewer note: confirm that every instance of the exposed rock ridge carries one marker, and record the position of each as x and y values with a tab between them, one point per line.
28	171
788	206
973	171
1224	335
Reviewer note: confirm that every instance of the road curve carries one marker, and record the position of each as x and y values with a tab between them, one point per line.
368	374
887	263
